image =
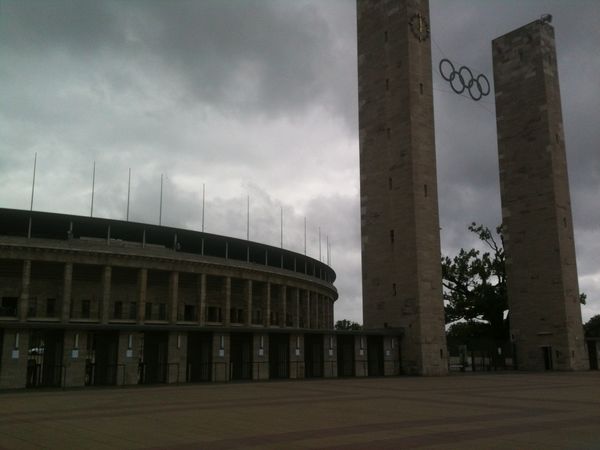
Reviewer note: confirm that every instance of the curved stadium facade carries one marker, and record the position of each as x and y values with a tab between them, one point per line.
90	301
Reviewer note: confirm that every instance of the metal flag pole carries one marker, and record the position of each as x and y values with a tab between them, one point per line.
320	244
327	237
161	196
282	226
33	182
304	235
203	191
93	187
128	193
248	218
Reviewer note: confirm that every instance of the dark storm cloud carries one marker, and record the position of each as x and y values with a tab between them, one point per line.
257	57
466	134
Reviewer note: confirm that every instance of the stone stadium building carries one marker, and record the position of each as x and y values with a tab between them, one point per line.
89	301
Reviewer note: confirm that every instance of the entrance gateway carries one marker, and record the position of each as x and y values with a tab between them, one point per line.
401	270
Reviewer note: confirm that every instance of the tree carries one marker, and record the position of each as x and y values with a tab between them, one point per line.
475	285
347	325
592	327
475	290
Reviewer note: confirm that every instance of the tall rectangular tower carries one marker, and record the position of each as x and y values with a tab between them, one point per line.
543	292
401	269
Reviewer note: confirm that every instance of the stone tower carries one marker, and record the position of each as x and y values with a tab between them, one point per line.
401	267
543	292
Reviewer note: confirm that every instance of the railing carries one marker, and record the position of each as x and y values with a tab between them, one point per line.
8	311
156	373
279	370
109	377
43	375
201	372
480	361
332	366
247	370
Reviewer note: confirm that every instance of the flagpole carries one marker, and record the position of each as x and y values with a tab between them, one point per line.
203	192
320	244
128	193
282	226
161	200
93	187
33	182
304	235
248	219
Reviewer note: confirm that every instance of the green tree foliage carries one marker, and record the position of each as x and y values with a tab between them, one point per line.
475	291
592	326
347	325
475	286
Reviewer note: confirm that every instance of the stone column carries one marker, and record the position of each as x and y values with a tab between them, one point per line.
307	324
391	356
202	299
128	357
267	318
260	358
317	308
13	354
329	356
360	356
177	357
283	321
74	356
297	309
142	284
24	296
248	302
296	356
66	300
106	287
220	369
227	312
174	296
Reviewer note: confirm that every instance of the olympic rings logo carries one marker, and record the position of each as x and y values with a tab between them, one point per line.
463	79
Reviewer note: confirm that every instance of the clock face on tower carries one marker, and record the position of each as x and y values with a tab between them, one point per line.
419	27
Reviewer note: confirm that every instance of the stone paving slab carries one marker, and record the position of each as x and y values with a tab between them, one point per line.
491	411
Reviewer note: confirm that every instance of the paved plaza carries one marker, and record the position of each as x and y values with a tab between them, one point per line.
551	410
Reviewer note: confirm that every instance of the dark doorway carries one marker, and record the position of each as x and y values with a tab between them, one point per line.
154	367
592	352
375	355
313	355
199	357
241	356
547	354
279	356
101	365
345	356
44	359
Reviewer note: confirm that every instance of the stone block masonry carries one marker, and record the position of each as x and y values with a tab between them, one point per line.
402	280
543	292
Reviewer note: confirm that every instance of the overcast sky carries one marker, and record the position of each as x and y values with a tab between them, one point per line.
259	98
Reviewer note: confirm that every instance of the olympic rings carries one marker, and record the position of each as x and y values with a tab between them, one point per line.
463	79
